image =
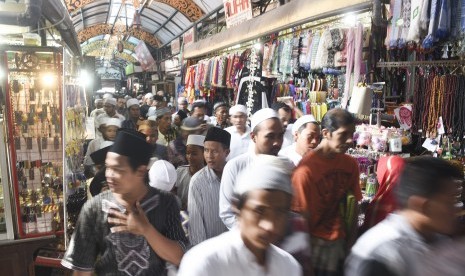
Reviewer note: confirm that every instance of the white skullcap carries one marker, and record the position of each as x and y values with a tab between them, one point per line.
182	100
148	96
262	115
238	108
97	101
114	122
107	96
302	121
152	118
162	175
111	101
105	144
267	172
132	102
195	140
102	121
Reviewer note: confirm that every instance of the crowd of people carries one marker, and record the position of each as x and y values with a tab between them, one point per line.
177	192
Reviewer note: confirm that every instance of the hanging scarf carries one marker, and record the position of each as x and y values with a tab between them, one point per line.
350	63
456	13
322	52
358	53
424	16
314	46
335	44
444	22
406	15
433	25
415	22
395	28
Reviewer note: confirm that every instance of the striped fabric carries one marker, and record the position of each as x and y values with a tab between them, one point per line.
203	206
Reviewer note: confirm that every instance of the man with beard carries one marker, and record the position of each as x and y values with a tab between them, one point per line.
267	134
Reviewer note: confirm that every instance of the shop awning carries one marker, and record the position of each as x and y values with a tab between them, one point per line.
292	14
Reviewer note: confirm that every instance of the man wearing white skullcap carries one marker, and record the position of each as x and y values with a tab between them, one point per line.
133	114
203	201
306	133
98	108
109	106
195	160
267	135
263	197
162	175
240	131
108	127
182	105
147	103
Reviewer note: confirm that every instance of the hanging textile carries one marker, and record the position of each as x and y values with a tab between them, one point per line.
414	31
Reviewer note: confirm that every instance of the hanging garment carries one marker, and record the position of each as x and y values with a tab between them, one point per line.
424	16
322	52
406	11
350	45
315	43
444	19
433	25
456	13
414	31
395	27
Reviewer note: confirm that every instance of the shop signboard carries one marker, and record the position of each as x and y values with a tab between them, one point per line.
175	46
189	37
143	56
237	11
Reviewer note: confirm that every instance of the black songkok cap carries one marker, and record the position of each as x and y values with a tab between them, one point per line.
132	144
217	134
99	156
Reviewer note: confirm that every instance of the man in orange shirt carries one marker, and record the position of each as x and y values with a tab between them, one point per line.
321	183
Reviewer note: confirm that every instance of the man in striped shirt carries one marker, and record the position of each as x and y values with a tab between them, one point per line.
204	190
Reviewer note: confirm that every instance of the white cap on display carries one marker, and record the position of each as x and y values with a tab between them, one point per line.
267	172
162	175
113	122
262	115
302	121
132	102
194	139
238	108
111	101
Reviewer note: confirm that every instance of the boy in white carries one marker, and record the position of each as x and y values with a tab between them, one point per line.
262	204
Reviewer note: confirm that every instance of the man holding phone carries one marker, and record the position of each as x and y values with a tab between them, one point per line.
131	229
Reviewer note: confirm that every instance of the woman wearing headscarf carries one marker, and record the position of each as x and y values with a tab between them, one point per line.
383	203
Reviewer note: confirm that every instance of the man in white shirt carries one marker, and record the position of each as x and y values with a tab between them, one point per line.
262	205
267	134
240	131
203	200
109	106
306	133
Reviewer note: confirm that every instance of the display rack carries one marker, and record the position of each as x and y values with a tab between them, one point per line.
34	137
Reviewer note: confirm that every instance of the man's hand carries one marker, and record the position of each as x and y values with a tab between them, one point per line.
135	221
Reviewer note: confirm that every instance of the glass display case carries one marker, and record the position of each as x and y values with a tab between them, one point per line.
33	99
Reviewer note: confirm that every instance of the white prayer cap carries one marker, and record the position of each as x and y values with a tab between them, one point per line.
162	175
98	101
152	118
238	108
182	100
114	122
107	96
111	101
132	102
302	121
194	139
262	115
105	144
101	121
148	96
267	172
